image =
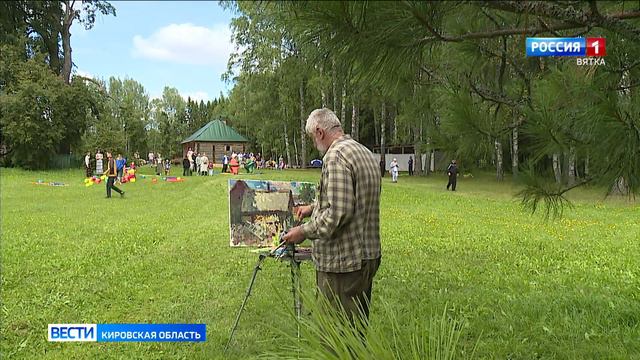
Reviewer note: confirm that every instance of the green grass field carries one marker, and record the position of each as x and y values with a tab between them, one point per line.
526	288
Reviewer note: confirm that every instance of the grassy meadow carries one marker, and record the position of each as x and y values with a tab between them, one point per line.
525	288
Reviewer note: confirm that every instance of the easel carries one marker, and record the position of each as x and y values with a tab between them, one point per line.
283	253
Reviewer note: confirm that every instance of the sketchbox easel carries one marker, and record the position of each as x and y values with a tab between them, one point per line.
295	256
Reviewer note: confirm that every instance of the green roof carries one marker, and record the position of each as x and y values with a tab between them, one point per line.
216	130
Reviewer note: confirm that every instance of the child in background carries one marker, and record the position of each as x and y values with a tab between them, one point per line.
393	169
167	167
210	166
120	165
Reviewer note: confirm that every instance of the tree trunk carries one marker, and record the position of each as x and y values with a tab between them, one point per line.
572	165
334	86
383	116
432	166
586	166
499	170
66	42
303	133
375	127
395	127
417	152
322	92
514	152
286	144
343	106
557	172
355	114
295	150
620	187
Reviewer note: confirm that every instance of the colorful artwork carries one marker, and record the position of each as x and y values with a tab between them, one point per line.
259	210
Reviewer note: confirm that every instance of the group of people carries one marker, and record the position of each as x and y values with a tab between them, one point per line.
197	163
248	161
251	162
112	168
98	164
200	164
452	172
94	165
394	168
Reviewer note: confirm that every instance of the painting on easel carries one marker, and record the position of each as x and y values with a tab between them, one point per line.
259	210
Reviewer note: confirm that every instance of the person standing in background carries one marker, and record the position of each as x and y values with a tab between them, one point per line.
186	164
99	168
410	166
452	172
120	162
204	164
393	169
191	160
167	167
87	164
111	174
225	163
198	163
159	165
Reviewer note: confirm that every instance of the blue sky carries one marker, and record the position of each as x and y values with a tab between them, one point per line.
182	44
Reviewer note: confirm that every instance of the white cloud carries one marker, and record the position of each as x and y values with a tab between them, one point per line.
186	44
84	73
197	96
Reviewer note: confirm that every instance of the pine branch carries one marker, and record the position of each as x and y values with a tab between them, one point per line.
423	20
571	16
498	33
623	87
488	95
624	68
572	19
555	33
551	196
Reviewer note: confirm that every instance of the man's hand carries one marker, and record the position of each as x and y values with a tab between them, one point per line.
303	211
294	236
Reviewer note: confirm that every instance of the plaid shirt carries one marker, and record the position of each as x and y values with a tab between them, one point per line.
345	223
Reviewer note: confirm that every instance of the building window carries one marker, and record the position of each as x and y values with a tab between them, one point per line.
227	148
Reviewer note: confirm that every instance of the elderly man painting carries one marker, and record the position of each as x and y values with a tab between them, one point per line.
345	220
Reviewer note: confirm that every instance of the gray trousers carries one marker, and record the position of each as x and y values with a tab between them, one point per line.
352	290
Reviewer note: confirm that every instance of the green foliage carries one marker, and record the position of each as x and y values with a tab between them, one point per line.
328	334
41	116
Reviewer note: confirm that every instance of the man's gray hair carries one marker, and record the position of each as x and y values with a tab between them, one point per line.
322	118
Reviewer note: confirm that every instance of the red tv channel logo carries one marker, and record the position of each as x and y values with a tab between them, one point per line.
596	47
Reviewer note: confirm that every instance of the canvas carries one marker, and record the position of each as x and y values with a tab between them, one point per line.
259	210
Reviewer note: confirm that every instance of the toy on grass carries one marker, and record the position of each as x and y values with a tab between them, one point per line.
90	181
154	180
173	179
52	183
130	176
